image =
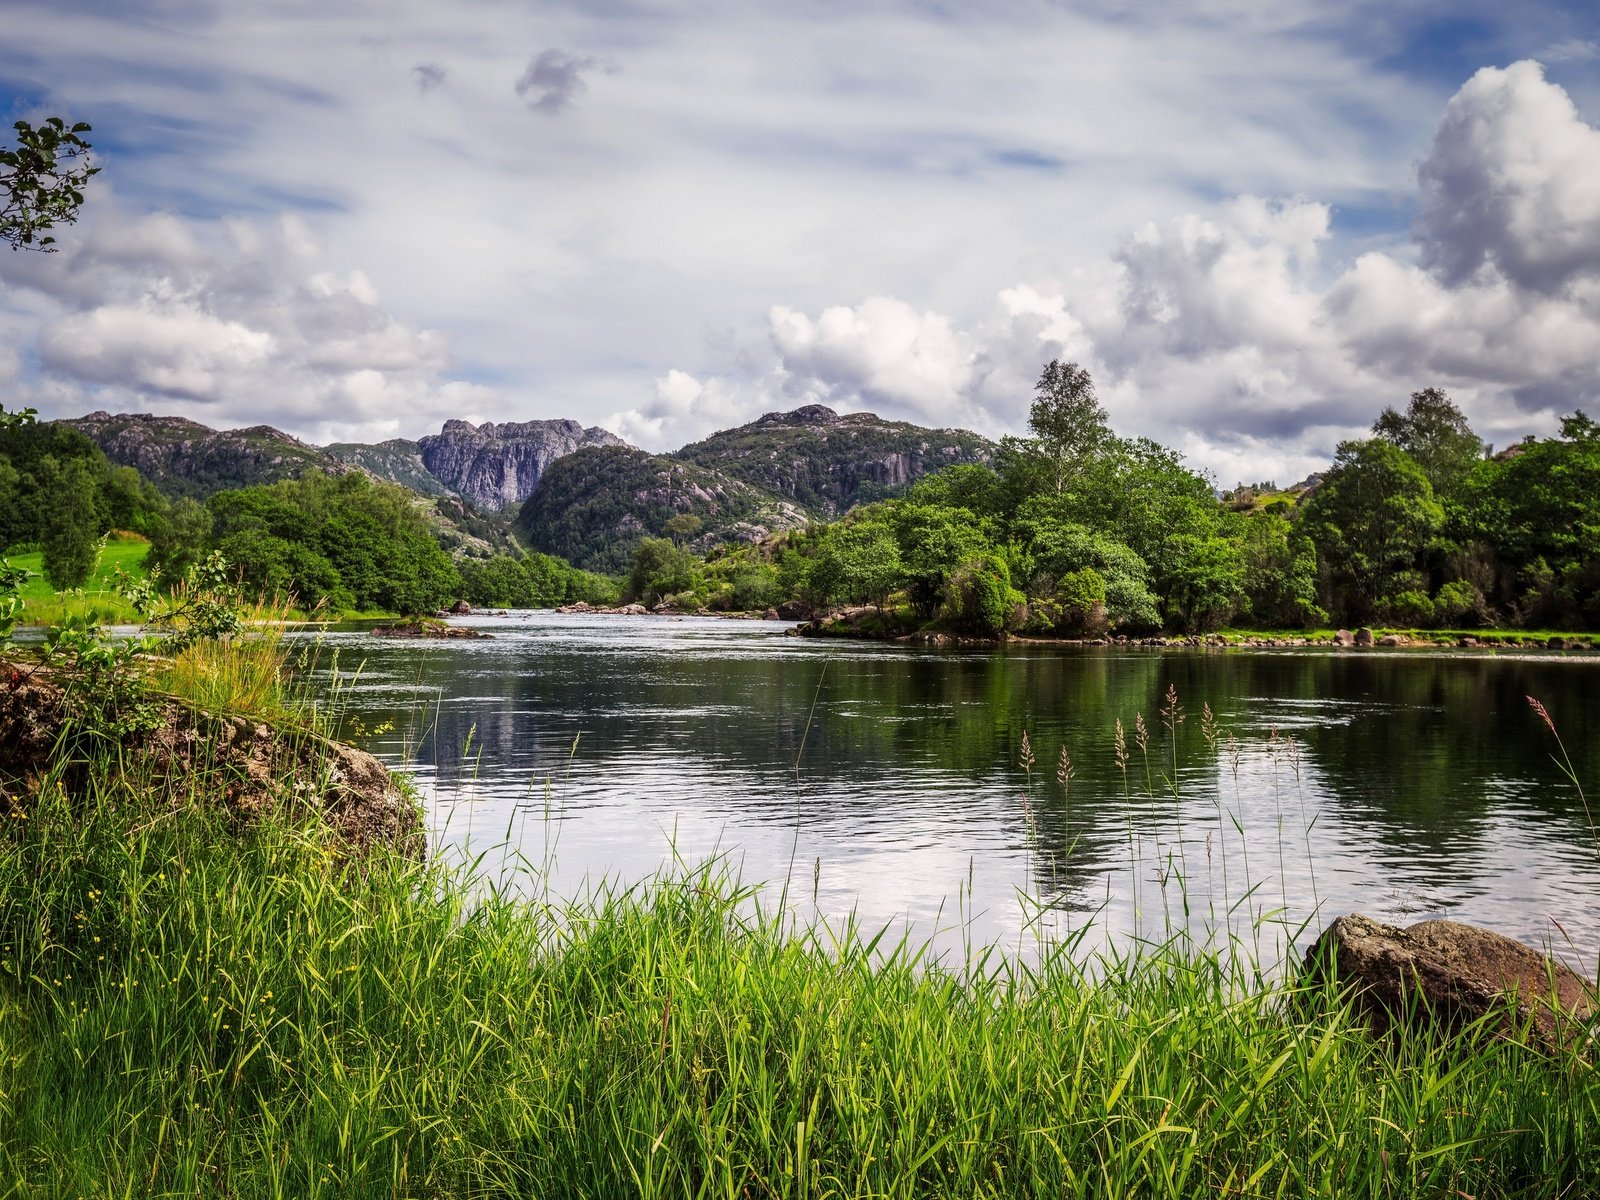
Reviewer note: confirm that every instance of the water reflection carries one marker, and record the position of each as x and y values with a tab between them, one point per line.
888	781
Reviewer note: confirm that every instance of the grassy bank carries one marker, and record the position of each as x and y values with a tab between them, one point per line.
188	1008
43	605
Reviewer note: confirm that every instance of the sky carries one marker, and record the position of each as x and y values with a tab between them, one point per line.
1257	224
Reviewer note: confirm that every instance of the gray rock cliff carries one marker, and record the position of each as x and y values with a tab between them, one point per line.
497	466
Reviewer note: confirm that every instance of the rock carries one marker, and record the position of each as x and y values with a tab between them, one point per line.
1455	973
1390	639
1558	643
461	609
792	610
423	629
1344	638
632	610
1467	643
1363	636
498	466
770	615
240	765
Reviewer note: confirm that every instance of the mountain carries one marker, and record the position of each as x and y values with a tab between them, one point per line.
582	493
594	505
186	458
827	463
499	466
397	460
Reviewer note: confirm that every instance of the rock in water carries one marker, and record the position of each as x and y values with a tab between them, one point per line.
1454	974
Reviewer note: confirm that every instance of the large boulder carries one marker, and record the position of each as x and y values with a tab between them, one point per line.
243	766
1453	974
1344	638
1363	636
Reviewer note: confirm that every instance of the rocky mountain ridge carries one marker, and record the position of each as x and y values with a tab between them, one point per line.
185	458
581	492
498	466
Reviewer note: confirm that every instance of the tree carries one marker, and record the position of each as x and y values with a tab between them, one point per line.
1436	434
1369	519
682	527
859	561
1068	423
71	533
42	181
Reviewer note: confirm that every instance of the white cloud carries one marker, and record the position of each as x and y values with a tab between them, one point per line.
682	409
149	314
1512	184
881	353
973	172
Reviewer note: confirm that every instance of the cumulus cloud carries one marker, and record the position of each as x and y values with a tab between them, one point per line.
229	325
553	80
681	409
881	352
1512	183
1233	337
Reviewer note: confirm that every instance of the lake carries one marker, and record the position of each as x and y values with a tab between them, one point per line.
889	781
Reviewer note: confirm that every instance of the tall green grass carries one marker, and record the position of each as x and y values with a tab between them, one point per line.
191	1008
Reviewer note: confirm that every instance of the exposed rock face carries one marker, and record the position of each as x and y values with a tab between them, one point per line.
185	458
498	466
594	506
1455	973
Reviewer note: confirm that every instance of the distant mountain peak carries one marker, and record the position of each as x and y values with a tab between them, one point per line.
498	465
810	414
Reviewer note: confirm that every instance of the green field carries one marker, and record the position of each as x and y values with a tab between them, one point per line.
45	605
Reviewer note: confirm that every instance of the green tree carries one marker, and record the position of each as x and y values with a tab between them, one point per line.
42	181
858	561
179	542
682	527
1436	434
71	527
1369	519
660	569
979	597
1068	423
933	542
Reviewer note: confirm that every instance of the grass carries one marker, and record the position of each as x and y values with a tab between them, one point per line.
191	1007
43	605
192	1014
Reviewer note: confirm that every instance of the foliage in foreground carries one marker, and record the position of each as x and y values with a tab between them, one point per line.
190	1009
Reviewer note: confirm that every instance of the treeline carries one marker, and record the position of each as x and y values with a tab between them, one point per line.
349	542
1076	531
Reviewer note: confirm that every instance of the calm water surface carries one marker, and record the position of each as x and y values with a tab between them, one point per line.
888	781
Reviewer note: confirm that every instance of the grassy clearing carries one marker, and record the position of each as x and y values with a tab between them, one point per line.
190	1010
43	605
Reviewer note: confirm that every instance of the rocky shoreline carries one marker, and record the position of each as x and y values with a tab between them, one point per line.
856	624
